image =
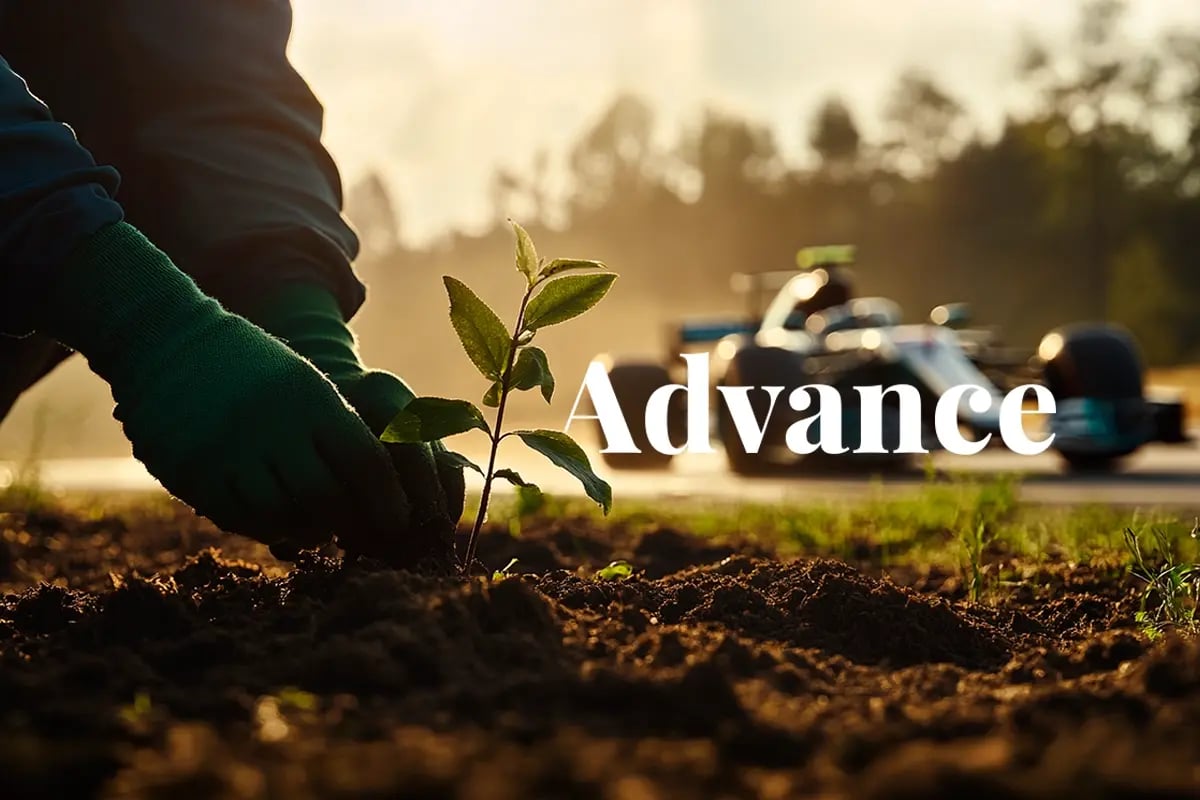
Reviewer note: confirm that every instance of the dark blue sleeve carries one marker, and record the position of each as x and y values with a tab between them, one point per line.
52	195
218	140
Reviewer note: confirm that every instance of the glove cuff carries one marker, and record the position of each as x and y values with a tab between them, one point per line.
308	318
120	301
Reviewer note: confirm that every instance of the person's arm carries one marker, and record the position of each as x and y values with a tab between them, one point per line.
219	142
224	166
230	419
52	197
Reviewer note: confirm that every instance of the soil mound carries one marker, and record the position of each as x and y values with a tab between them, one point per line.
716	670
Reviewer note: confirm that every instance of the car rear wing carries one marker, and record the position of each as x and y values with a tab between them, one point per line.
706	331
758	289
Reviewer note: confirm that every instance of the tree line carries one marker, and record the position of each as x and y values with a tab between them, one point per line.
1084	204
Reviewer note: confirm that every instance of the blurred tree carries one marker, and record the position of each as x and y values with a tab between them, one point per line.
1076	208
505	190
834	137
1106	104
1184	50
539	192
731	155
1145	298
369	207
924	124
615	156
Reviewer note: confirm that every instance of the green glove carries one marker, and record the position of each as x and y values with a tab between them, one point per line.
308	318
228	418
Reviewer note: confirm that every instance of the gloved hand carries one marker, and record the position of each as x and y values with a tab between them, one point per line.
308	318
228	418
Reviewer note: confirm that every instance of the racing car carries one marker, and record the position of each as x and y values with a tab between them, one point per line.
814	330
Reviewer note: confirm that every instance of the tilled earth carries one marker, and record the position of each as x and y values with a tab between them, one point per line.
138	661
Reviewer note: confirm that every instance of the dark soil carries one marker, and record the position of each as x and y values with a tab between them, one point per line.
150	665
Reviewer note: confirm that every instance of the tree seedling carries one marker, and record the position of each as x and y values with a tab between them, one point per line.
509	362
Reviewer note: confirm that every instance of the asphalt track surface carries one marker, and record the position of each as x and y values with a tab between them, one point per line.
1156	476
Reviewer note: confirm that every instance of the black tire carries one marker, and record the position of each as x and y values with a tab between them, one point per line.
1090	463
1169	418
1096	360
1102	362
633	384
759	366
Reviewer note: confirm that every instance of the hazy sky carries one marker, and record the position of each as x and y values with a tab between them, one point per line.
437	93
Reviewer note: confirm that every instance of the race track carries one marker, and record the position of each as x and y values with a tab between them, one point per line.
1158	475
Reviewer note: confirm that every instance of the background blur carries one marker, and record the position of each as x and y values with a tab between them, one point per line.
1040	160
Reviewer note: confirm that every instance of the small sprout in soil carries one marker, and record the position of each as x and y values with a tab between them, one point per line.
501	574
509	362
137	712
975	542
291	697
616	571
1175	585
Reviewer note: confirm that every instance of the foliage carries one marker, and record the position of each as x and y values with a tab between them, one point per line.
1172	587
25	490
923	528
975	541
509	362
835	136
1074	205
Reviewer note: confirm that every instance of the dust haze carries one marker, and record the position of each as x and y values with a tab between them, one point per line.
1051	175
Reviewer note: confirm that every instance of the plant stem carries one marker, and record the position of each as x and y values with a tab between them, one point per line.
486	495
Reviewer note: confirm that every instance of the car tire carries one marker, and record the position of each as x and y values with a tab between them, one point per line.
1170	417
633	383
1103	362
1090	463
758	366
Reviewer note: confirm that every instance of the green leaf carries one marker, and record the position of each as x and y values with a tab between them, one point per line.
501	574
563	452
491	398
516	480
481	332
527	257
565	298
453	459
559	265
616	571
428	419
533	370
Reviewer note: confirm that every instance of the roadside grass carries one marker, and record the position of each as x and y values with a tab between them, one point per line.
1171	585
22	488
977	529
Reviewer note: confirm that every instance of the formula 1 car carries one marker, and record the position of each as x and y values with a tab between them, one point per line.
814	330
